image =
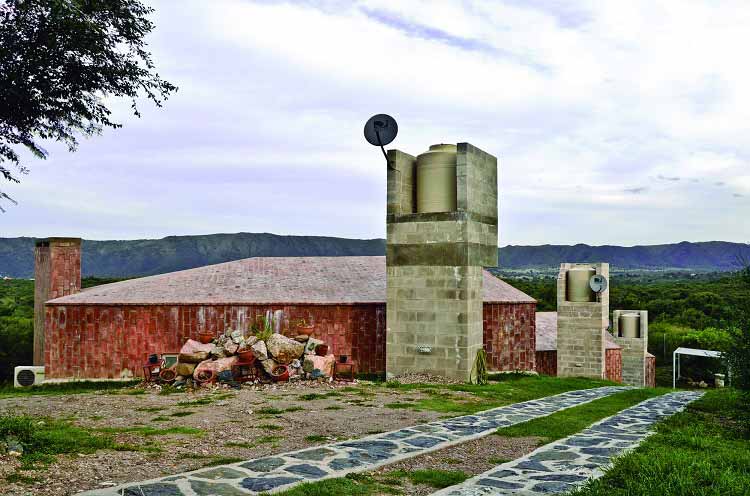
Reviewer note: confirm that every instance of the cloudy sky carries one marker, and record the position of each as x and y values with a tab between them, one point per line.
614	122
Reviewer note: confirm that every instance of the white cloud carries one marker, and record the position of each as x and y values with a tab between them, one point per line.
587	104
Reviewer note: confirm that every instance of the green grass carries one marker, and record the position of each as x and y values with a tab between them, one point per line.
161	418
255	443
432	478
222	460
700	451
74	387
503	389
498	461
569	421
319	396
271	427
150	409
43	439
269	410
16	478
181	414
351	485
316	438
333	407
153	431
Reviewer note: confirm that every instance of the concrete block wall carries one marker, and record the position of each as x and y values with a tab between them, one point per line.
580	328
634	350
434	267
57	273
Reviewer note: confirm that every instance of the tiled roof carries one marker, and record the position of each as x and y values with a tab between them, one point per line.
546	333
268	280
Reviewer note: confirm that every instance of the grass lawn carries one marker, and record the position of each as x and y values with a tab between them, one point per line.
74	387
567	422
701	451
502	390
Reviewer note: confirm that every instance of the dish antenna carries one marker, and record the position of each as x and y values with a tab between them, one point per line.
380	130
598	283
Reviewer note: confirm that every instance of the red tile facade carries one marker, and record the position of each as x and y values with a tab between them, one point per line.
57	272
613	364
650	370
510	336
546	362
102	341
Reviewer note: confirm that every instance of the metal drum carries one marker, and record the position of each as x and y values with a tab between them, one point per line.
436	179
630	325
577	284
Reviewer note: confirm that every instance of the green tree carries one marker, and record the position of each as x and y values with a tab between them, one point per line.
59	60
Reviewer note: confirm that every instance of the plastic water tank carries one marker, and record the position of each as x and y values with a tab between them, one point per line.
436	179
577	284
630	325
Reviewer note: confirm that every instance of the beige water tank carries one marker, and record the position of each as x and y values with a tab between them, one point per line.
577	284
436	179
630	325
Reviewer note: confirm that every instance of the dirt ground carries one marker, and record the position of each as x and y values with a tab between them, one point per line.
224	416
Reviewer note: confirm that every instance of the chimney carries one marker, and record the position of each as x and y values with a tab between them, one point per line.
57	273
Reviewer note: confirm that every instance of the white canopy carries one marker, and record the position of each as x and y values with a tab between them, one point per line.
688	351
693	351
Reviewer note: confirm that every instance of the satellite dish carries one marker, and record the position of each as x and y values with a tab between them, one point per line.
380	130
598	283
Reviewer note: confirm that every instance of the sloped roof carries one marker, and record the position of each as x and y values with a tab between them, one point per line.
546	333
268	280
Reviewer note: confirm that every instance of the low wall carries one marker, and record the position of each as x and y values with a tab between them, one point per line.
546	363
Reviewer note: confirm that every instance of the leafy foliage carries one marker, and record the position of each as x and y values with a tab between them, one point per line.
60	60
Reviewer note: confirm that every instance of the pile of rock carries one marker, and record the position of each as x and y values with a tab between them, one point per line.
234	357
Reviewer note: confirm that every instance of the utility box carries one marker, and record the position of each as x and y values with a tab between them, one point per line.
442	228
630	328
582	319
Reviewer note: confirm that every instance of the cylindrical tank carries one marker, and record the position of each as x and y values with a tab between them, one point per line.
630	325
577	284
436	179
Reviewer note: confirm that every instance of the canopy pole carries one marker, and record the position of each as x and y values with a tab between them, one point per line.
674	369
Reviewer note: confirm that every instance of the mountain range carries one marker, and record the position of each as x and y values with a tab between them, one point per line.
155	256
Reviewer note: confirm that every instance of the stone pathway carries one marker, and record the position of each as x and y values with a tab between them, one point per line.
336	460
561	466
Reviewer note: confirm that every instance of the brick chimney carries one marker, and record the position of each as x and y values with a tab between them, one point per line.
57	273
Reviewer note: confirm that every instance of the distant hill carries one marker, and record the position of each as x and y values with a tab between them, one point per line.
156	256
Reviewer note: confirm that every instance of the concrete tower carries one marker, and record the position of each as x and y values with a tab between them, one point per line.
57	272
442	227
630	328
582	320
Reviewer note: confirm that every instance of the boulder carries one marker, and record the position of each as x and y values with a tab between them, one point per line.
312	343
231	348
196	357
185	369
260	350
217	352
283	349
319	366
192	346
214	366
302	338
268	365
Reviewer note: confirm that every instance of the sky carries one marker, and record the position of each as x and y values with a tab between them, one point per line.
613	122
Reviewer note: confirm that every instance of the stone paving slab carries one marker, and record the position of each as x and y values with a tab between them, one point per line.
280	472
563	465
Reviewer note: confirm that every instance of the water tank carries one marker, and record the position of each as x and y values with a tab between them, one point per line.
577	284
630	325
436	179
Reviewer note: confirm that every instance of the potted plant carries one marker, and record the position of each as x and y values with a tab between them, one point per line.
205	337
303	328
280	373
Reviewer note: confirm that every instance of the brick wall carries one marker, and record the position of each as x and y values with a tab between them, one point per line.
97	341
650	371
57	273
510	336
613	362
546	362
112	342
